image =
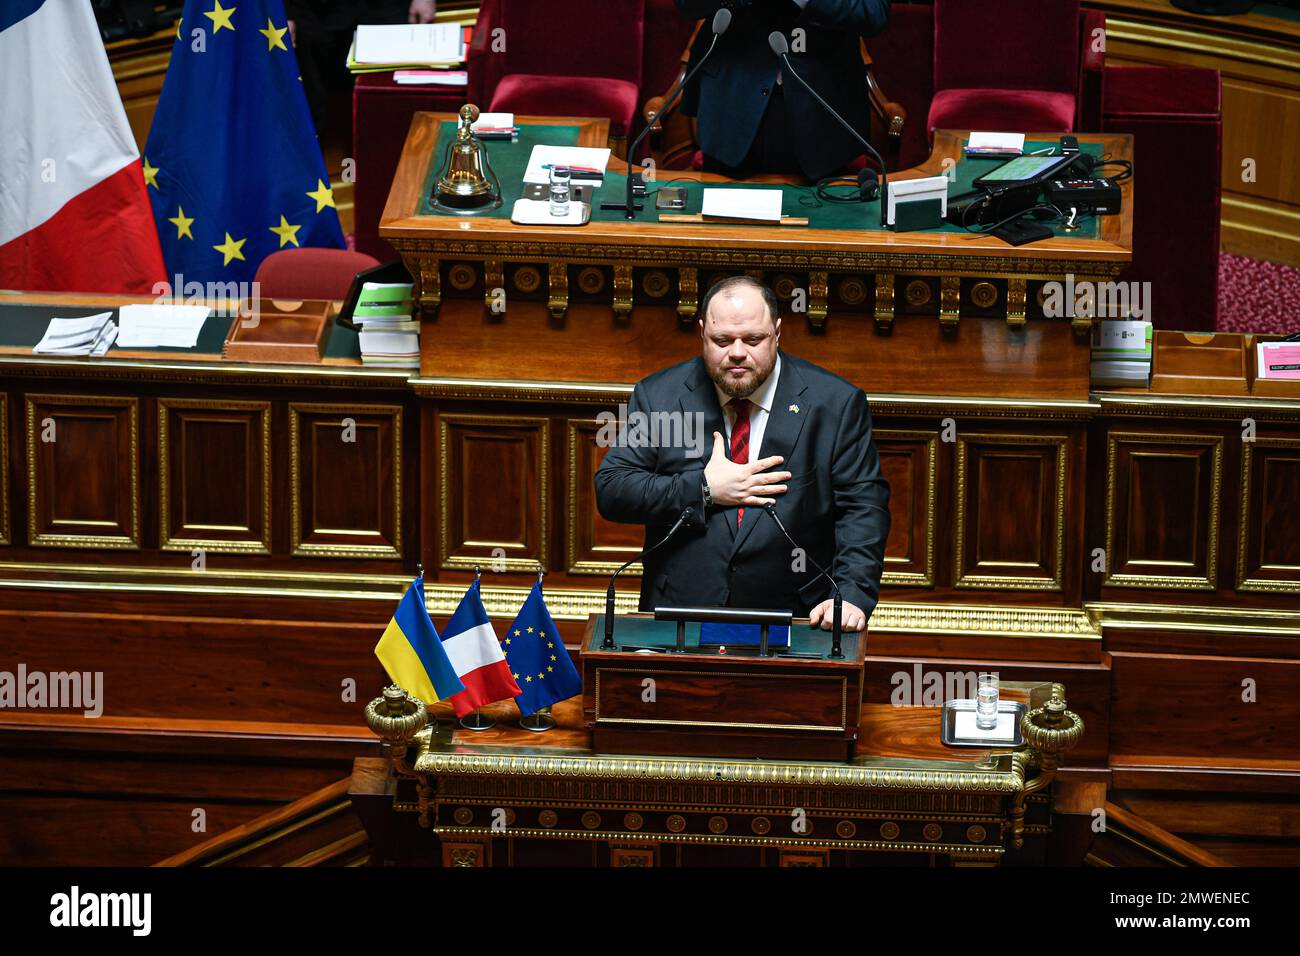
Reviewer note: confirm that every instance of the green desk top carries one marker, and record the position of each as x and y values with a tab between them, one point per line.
509	160
23	326
651	633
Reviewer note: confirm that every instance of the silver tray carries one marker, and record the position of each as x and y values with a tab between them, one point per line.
1009	714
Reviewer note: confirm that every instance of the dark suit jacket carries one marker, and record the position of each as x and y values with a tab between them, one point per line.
732	91
836	505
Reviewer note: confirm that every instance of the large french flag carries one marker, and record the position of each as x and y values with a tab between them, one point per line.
74	211
476	655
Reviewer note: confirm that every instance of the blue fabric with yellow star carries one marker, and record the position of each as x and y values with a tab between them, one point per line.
541	666
232	164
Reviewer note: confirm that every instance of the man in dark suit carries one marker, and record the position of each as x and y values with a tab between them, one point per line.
751	118
818	465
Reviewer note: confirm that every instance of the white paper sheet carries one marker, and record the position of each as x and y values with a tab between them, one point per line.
543	156
152	326
409	43
74	336
964	726
760	204
1001	142
431	77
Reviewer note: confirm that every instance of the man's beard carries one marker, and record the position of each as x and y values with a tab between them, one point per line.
744	387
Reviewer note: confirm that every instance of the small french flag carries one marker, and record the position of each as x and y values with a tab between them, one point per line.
475	653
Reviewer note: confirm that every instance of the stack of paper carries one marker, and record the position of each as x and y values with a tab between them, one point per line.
160	326
390	336
995	144
91	335
1121	353
401	46
587	163
431	77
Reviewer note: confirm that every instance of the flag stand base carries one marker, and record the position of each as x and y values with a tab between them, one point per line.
477	721
539	722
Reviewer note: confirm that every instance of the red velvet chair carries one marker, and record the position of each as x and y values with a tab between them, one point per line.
311	273
1022	65
597	46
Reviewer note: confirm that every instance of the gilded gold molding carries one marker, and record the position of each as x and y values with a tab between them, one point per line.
967	579
884	310
923	578
571	561
1208	582
214	371
129	541
1016	303
1202	42
300	548
949	301
960	777
859	259
6	528
449	561
738	725
1202	407
213	545
992	852
1244	581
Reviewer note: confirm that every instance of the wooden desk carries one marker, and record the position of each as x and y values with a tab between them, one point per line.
508	797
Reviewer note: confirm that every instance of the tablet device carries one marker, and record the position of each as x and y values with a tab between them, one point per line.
1024	170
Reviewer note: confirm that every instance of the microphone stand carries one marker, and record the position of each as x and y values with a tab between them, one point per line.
781	47
837	608
608	643
721	20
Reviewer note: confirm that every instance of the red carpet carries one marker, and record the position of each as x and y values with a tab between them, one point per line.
1258	296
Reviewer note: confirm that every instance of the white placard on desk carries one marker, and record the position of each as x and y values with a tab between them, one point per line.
909	190
761	205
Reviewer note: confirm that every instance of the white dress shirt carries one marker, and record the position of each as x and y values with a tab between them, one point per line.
761	401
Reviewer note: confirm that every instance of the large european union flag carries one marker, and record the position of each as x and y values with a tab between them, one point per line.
540	664
232	164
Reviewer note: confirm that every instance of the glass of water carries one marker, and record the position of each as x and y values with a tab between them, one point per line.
560	190
986	702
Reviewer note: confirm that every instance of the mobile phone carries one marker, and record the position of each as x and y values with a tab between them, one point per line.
671	197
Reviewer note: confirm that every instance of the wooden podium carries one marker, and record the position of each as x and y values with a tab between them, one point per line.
721	703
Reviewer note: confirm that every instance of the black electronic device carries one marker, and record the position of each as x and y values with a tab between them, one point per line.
1019	232
1026	171
670	197
1098	196
983	206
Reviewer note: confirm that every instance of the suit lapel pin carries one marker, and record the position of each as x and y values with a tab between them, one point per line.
795	409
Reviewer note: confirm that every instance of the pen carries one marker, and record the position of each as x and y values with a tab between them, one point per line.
575	169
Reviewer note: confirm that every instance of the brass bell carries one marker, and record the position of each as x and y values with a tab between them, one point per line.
464	188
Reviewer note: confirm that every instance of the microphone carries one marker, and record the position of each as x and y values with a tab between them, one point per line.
781	47
721	20
837	613
608	644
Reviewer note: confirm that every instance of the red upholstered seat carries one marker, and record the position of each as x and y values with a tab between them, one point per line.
993	109
310	273
1006	65
561	58
528	94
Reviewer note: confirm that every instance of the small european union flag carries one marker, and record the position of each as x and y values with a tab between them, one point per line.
538	660
232	165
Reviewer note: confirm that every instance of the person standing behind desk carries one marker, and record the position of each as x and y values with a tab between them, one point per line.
796	436
750	119
322	33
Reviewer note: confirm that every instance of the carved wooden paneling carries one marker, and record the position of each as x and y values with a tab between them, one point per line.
1010	508
83	471
1162	510
909	462
493	490
1268	552
592	544
214	475
345	474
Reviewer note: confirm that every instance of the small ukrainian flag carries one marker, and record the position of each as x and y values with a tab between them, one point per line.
412	652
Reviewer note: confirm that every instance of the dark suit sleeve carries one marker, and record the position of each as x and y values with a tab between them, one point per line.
861	507
629	488
867	17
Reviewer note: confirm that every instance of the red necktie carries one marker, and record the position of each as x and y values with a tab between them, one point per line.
740	440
